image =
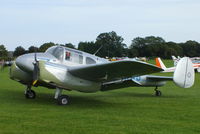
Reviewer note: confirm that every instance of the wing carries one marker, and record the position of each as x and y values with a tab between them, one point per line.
117	84
113	70
130	82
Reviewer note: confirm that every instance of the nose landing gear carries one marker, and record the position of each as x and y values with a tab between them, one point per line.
29	94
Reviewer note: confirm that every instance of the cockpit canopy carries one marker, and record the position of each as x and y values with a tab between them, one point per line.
65	55
56	52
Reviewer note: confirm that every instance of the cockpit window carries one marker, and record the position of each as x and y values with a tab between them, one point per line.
90	61
58	53
51	49
73	57
67	55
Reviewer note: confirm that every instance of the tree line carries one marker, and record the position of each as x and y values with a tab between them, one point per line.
110	45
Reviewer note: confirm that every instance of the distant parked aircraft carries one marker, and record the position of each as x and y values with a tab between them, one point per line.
195	61
160	64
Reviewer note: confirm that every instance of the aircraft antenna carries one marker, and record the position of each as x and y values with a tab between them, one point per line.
98	50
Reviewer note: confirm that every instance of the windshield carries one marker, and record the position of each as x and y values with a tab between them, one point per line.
51	49
56	52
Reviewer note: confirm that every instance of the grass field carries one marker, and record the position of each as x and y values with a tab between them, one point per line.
125	111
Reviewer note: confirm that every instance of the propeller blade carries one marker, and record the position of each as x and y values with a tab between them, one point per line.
35	70
35	74
35	57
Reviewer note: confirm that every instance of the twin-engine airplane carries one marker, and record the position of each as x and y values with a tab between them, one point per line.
65	68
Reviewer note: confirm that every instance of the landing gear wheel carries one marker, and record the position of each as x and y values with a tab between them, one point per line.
158	93
30	94
63	100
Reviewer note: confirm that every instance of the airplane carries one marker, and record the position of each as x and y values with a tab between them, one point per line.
160	64
195	61
63	68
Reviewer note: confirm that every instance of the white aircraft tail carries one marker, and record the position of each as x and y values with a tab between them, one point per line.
184	73
160	64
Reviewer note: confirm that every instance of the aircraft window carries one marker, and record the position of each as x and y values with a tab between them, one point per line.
90	61
51	50
58	53
80	59
74	57
67	56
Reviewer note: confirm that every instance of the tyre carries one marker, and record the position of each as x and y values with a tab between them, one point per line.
30	94
158	93
63	100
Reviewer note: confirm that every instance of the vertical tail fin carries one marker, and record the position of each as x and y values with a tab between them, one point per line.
160	64
184	74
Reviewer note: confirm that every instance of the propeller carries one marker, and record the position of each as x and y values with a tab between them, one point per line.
35	70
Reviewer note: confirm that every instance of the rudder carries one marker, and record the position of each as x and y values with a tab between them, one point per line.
184	73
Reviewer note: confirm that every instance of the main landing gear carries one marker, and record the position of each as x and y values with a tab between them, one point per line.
157	92
29	94
61	99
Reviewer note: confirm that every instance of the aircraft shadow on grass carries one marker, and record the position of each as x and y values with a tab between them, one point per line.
146	95
79	101
46	99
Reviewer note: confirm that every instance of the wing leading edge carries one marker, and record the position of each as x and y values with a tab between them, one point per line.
113	70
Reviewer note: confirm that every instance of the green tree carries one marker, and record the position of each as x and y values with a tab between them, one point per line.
45	46
132	52
70	45
148	46
112	45
19	51
88	47
191	48
177	49
138	42
3	51
33	49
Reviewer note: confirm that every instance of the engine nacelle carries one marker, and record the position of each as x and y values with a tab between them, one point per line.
144	81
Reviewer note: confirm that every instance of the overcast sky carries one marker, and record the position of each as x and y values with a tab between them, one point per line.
34	22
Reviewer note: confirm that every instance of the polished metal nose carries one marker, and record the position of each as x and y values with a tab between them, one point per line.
25	62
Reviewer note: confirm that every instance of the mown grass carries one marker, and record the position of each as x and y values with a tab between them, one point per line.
125	111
